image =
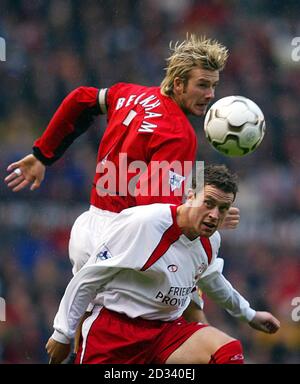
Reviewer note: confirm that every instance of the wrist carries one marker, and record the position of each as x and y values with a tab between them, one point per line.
250	314
60	337
37	153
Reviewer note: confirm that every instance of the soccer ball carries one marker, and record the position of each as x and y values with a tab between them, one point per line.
234	126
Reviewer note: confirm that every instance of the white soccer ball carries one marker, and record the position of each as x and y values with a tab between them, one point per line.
234	126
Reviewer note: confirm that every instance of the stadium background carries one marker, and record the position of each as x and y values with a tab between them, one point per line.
55	46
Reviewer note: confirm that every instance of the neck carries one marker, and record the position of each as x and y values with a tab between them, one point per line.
181	106
184	224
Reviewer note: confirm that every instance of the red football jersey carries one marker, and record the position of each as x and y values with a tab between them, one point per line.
146	151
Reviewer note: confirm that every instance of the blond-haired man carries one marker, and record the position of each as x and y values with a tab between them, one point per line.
197	59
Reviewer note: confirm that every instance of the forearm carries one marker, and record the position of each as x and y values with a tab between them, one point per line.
222	293
81	290
72	118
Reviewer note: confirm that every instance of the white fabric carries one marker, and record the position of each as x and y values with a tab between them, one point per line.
197	299
86	234
102	100
60	337
215	285
112	276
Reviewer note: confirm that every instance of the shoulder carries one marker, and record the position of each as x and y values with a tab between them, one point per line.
127	96
144	224
215	241
126	88
148	215
215	264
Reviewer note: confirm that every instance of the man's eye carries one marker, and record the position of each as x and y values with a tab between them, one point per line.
223	209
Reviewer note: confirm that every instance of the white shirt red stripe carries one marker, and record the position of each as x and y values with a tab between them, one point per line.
128	275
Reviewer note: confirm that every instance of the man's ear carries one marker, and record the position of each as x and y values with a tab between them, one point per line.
178	86
190	196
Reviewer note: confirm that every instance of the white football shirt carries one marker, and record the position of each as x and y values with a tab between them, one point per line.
145	266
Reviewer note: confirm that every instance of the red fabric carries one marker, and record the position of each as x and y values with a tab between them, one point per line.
168	136
63	121
230	353
116	339
207	247
160	131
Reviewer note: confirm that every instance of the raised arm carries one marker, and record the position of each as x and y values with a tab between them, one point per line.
73	117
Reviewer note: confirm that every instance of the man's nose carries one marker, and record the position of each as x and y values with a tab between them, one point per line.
214	213
210	94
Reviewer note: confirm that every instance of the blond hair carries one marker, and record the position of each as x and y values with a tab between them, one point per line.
192	52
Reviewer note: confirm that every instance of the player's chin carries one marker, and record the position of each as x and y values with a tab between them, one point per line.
206	231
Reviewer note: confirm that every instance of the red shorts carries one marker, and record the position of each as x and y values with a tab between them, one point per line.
112	338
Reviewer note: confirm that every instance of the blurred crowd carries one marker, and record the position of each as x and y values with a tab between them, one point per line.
55	46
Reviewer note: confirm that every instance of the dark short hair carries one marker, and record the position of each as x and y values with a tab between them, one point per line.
219	176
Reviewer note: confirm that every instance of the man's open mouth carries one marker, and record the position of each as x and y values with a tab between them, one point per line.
210	225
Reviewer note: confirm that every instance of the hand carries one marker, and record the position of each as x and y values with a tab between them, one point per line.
232	219
193	313
58	352
265	322
25	171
